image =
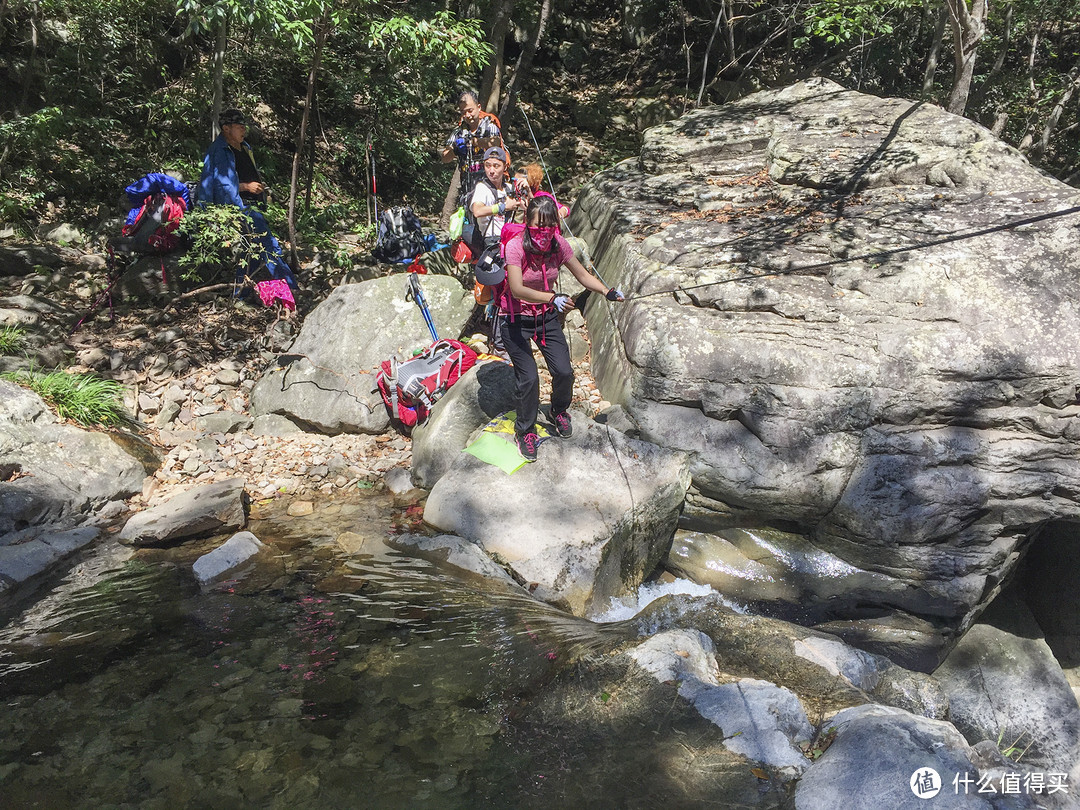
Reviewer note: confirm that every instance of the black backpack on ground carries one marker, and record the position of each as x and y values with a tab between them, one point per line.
401	237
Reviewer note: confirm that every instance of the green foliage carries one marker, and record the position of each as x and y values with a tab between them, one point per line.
839	21
84	398
405	38
12	340
216	242
1014	751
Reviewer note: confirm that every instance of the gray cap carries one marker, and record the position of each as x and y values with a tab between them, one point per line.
489	268
495	152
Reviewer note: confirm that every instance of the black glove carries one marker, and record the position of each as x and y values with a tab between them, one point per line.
614	295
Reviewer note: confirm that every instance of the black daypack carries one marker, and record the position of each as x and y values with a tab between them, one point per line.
401	237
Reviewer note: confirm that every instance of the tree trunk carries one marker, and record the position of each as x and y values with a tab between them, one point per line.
219	74
524	63
708	50
1000	119
322	29
968	27
491	83
1039	150
24	96
1031	63
935	50
450	204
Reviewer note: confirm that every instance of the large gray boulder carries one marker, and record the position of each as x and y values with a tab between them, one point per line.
51	471
587	521
910	413
883	757
486	391
1004	682
320	399
360	325
326	383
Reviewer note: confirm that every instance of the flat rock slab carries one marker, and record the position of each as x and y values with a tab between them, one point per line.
210	509
22	561
587	521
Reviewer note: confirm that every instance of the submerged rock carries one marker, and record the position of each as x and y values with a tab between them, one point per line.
231	554
763	722
910	412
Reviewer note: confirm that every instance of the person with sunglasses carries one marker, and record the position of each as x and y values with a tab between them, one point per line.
529	310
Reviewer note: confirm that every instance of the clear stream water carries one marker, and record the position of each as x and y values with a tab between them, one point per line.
328	681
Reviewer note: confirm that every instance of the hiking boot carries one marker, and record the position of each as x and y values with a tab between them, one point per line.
563	428
527	445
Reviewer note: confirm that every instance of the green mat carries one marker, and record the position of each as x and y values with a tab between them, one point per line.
495	444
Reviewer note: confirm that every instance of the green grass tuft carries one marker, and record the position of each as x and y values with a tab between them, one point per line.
12	340
84	398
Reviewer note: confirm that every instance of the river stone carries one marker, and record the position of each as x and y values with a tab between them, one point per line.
587	521
231	554
52	471
65	234
398	481
877	751
911	414
222	422
321	399
1003	680
454	551
484	392
300	509
207	509
759	720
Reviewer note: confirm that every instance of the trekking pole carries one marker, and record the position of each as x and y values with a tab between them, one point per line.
416	294
374	187
367	170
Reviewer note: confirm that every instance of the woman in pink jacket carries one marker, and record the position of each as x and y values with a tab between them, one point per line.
529	309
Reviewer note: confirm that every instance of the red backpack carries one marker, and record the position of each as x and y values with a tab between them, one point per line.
412	388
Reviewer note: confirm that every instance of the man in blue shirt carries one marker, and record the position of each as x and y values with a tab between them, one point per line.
230	177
